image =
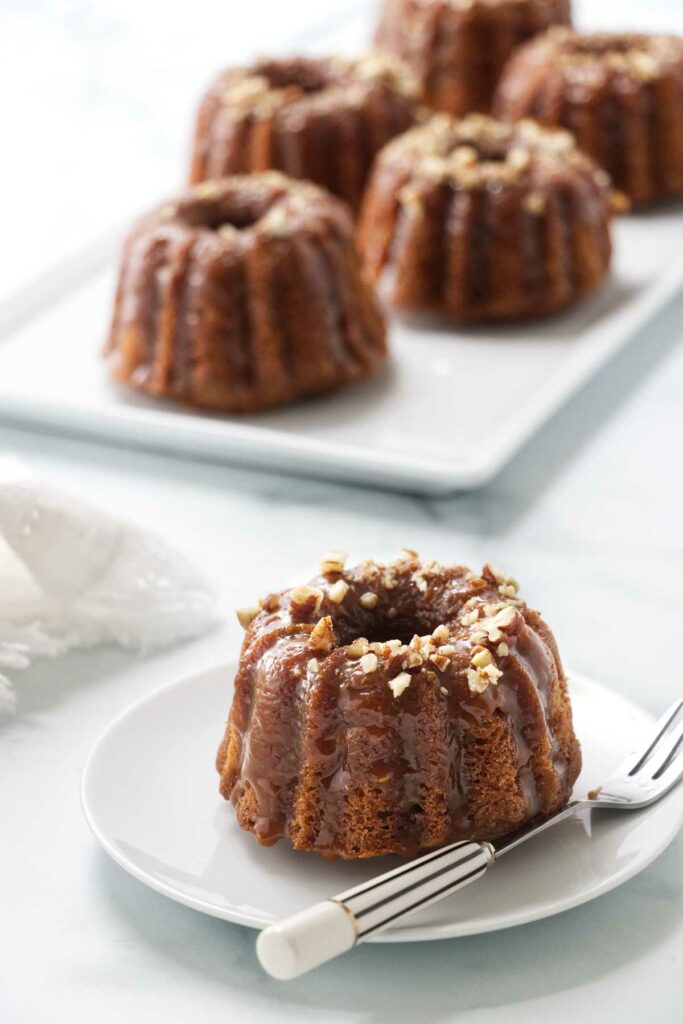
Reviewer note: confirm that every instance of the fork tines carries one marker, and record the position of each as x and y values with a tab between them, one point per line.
660	731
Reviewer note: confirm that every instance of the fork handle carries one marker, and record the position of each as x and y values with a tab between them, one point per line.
324	931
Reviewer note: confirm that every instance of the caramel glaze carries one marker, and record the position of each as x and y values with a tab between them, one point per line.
323	120
489	241
333	760
620	95
457	50
244	293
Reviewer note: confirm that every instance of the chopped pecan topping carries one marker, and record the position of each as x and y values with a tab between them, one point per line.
333	562
306	599
400	683
247	615
338	591
323	636
369	663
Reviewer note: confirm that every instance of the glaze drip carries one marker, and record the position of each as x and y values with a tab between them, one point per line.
324	748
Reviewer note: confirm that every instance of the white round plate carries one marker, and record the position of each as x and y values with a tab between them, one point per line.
150	794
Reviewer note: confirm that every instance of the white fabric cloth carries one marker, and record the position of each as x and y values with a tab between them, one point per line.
74	576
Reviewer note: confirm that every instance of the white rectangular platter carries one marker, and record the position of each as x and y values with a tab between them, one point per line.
450	411
448	414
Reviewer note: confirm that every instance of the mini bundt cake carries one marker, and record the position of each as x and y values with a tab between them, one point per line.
393	708
621	96
321	119
244	293
480	220
457	48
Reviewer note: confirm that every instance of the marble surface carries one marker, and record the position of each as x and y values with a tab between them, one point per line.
588	517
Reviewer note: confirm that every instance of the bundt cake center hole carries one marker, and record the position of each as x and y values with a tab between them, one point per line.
239	219
481	152
391	631
597	47
240	216
308	78
382	629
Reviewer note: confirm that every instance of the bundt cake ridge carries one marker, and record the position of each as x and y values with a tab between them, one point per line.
390	708
457	48
242	294
478	219
314	118
621	95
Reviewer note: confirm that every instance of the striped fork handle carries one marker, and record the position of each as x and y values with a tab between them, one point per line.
322	932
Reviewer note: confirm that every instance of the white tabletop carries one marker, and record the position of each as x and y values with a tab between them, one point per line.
588	517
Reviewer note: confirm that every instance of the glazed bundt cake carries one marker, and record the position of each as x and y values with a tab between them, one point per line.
457	48
244	293
621	96
480	220
311	118
393	708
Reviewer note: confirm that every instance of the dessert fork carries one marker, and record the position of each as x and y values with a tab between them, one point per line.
324	931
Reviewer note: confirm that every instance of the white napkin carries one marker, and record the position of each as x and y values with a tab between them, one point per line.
73	576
